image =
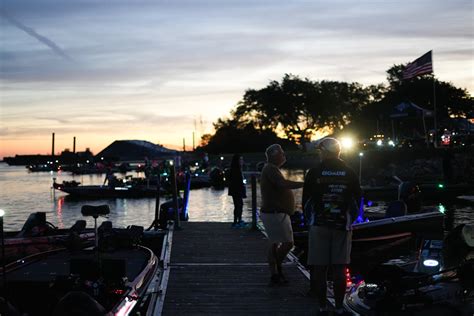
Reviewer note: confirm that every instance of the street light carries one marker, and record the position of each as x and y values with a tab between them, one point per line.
361	154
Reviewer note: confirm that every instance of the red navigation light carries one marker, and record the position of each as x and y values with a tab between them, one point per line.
118	291
348	277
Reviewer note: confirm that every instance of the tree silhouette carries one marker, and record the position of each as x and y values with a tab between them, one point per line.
299	107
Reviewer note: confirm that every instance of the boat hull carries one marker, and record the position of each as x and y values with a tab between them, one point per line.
103	192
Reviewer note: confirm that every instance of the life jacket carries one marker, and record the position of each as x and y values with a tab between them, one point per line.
333	199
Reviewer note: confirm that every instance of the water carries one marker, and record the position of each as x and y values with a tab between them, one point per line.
23	192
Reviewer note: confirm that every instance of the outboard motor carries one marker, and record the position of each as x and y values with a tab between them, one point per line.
410	193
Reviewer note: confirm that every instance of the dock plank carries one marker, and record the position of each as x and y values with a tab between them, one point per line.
217	270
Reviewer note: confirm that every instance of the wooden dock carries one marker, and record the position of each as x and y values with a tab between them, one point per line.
218	270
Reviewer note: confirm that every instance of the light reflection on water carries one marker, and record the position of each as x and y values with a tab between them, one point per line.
23	192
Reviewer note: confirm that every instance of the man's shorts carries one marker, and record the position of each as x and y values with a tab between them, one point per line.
329	246
277	227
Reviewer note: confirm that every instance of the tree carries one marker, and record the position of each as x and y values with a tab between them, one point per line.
299	107
450	100
233	136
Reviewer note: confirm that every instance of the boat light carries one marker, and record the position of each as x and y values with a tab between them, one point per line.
391	143
379	142
348	277
361	154
430	263
440	186
222	158
441	208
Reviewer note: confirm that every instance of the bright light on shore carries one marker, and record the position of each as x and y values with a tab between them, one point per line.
347	142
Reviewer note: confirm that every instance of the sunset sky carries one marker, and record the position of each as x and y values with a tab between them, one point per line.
159	70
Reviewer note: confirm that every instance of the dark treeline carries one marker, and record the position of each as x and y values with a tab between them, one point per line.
292	110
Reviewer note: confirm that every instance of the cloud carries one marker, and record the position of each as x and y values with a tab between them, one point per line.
54	47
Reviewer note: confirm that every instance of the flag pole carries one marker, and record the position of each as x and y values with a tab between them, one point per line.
434	114
434	107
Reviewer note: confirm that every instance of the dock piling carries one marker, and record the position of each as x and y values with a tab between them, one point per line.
175	197
254	201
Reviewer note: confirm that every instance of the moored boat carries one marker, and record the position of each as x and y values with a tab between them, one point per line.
108	191
38	235
437	283
114	277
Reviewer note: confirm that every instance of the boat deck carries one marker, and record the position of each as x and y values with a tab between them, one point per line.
219	270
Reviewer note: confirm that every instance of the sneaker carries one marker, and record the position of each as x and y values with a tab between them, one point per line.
283	280
274	280
242	225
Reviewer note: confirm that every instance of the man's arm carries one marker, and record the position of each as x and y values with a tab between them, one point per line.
279	181
309	185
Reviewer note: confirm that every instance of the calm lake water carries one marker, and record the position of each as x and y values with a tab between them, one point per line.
23	192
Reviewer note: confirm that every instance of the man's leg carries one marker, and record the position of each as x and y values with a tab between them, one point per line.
272	262
339	284
281	254
320	282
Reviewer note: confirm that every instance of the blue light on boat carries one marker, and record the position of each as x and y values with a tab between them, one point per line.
430	263
369	203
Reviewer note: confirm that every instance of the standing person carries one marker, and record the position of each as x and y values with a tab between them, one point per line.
332	191
278	203
237	189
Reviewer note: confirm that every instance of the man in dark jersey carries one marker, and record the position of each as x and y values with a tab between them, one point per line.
331	192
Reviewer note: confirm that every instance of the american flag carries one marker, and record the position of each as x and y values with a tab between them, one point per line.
420	66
